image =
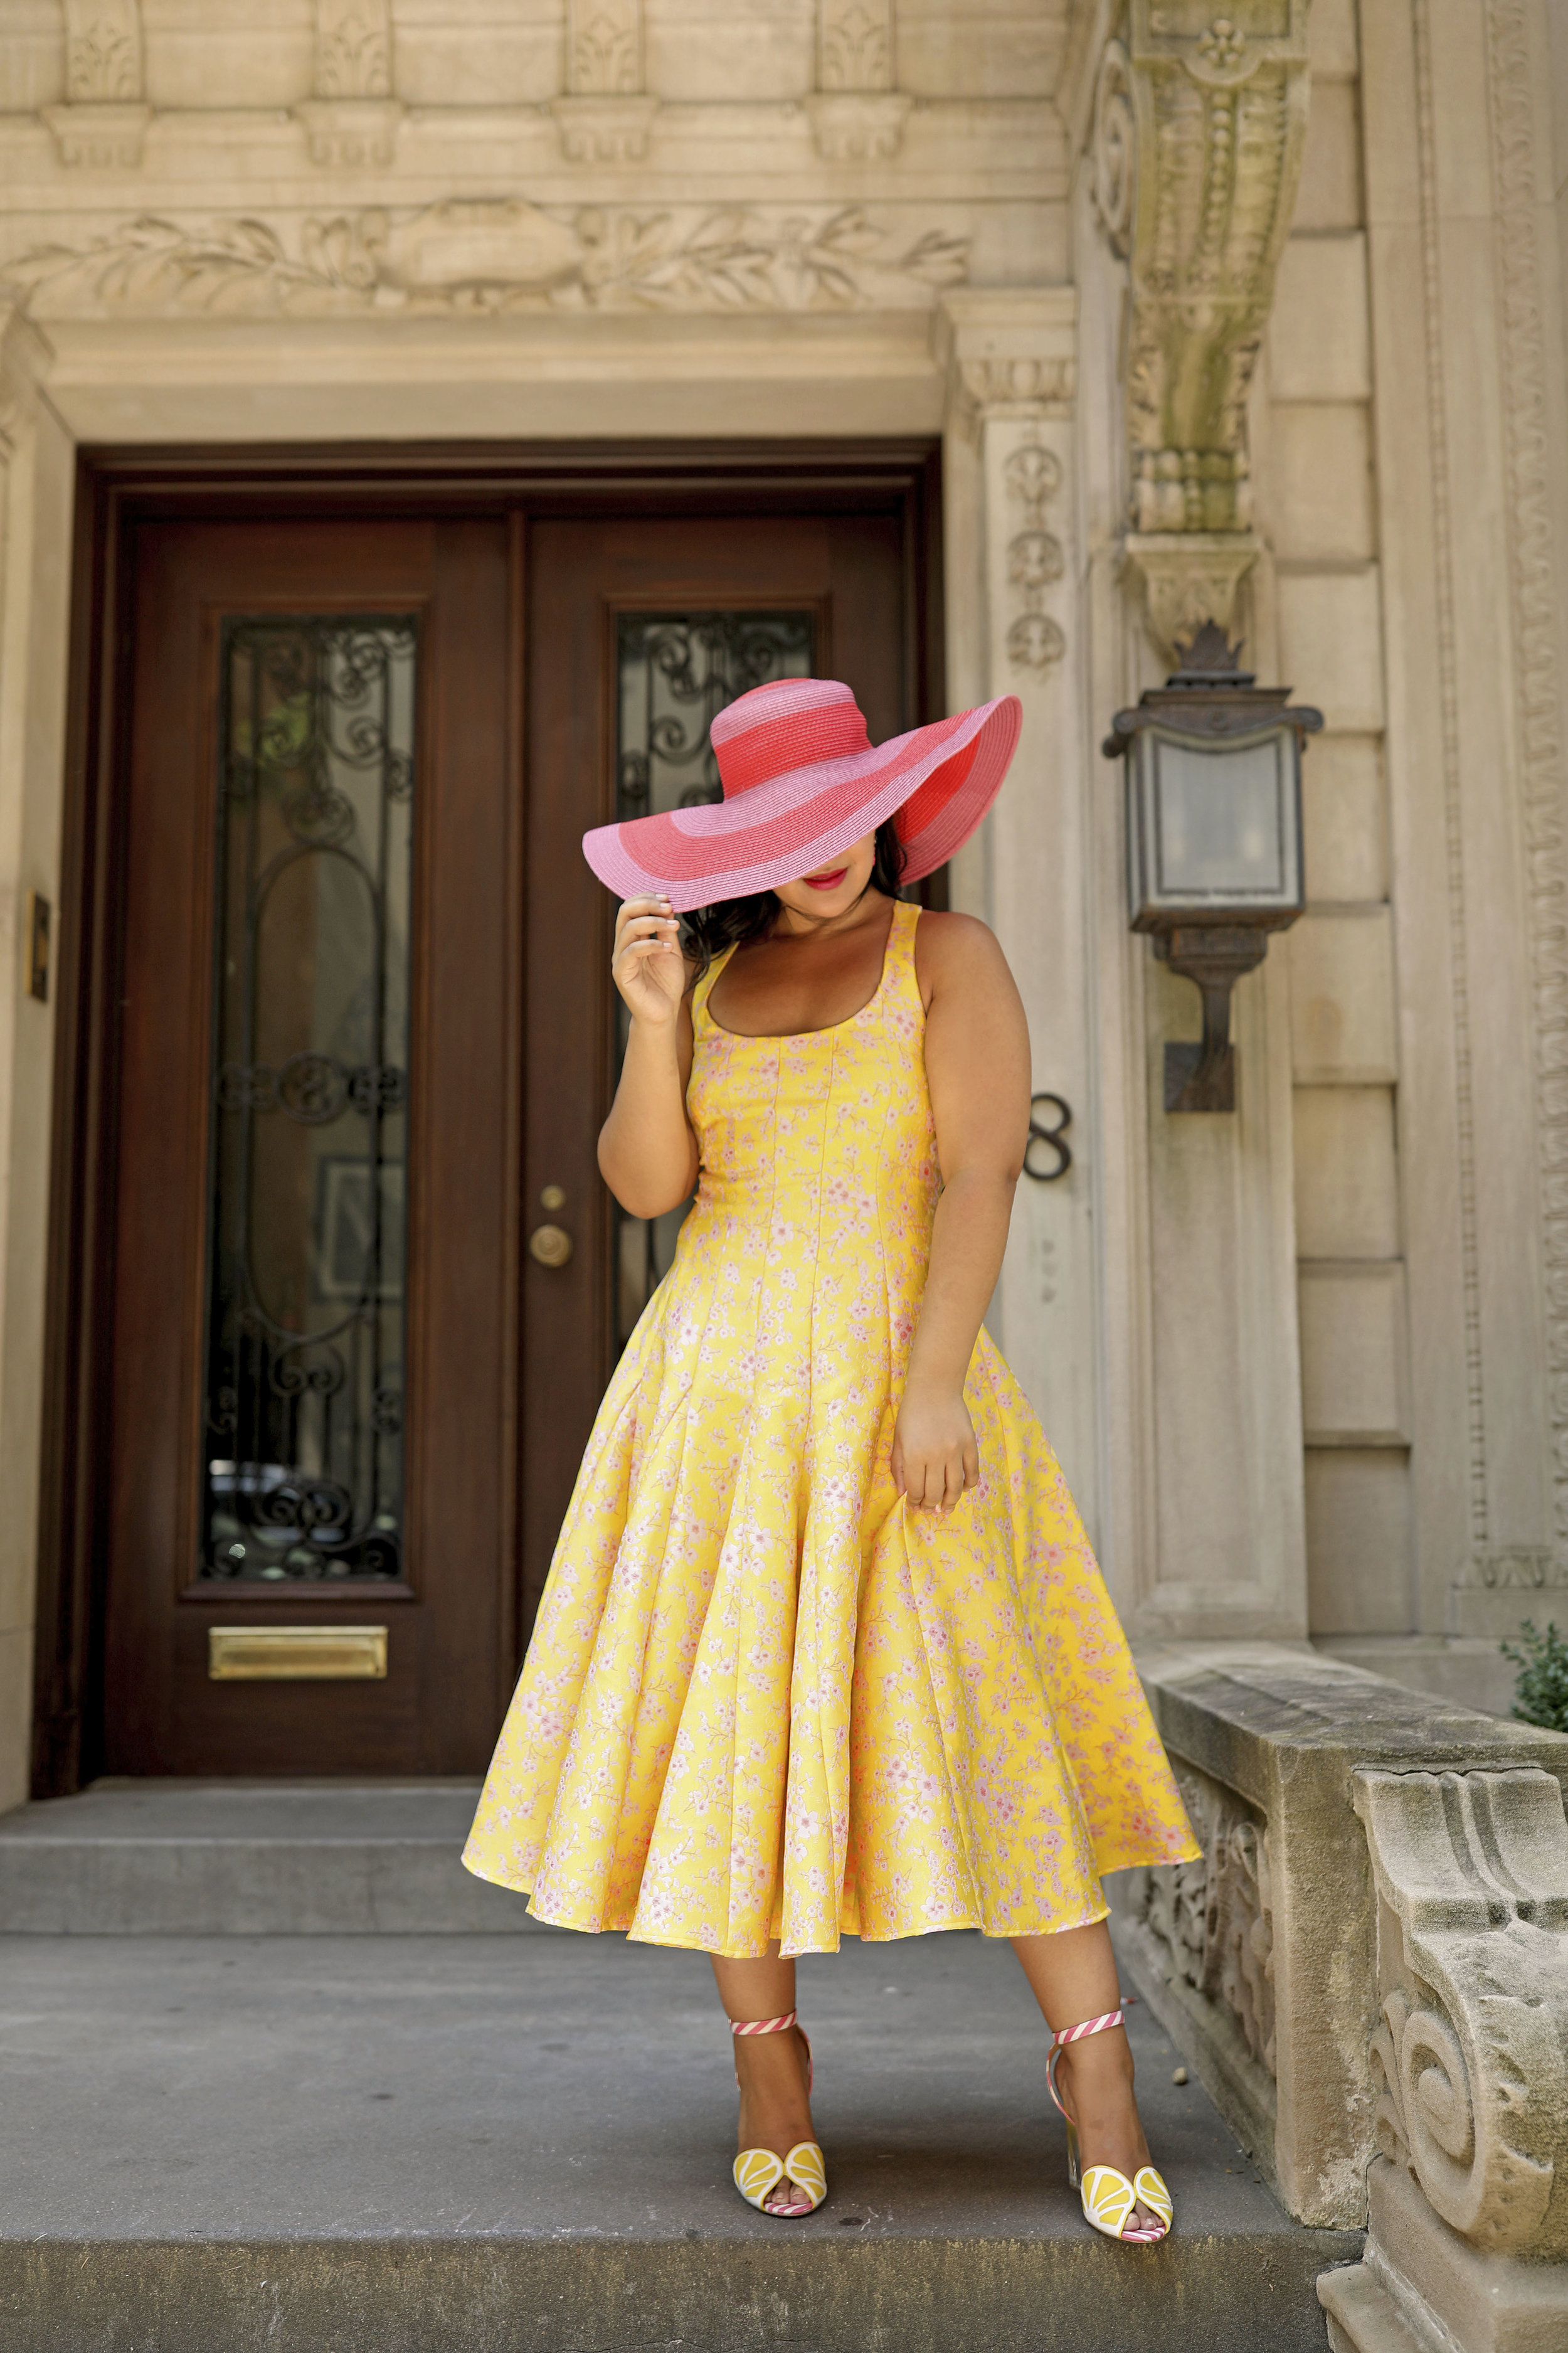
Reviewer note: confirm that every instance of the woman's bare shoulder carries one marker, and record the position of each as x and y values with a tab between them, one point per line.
952	949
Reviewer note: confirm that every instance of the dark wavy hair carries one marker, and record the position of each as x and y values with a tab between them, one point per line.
728	923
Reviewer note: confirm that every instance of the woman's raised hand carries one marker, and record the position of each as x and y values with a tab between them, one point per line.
648	966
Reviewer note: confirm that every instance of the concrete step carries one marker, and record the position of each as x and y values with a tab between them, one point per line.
472	2145
248	1858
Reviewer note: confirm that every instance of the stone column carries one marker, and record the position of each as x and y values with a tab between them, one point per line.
1191	142
36	479
1012	573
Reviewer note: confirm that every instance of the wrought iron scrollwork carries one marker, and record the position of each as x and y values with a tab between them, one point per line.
304	1382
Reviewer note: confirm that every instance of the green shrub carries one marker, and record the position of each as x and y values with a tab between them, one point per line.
1541	1689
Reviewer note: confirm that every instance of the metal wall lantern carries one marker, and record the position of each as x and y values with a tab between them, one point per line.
1213	839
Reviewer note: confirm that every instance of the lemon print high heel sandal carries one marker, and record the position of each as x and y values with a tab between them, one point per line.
1109	2198
758	2170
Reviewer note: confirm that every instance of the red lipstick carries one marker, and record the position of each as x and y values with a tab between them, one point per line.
825	881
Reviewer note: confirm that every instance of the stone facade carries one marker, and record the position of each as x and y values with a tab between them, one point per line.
1254	315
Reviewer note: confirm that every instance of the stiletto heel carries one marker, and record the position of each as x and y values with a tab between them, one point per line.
759	2170
1109	2198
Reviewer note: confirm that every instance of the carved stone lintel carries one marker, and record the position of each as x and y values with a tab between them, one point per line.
605	130
99	138
351	133
1188	578
1471	2053
858	126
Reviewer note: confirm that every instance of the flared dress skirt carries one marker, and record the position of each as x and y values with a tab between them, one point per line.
765	1697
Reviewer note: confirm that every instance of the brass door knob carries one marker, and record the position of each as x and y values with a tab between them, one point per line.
550	1245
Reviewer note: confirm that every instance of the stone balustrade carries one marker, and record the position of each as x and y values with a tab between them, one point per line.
1369	1969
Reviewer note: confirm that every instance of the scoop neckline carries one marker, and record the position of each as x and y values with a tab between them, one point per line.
791	1037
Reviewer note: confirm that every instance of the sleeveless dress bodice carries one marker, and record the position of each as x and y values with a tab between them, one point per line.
764	1696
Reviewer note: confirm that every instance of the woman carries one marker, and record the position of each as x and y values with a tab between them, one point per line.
824	1647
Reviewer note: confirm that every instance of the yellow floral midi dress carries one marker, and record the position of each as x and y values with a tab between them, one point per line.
764	1696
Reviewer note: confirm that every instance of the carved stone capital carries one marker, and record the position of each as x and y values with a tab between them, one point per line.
351	133
1188	578
1470	2057
858	126
605	130
1008	355
99	138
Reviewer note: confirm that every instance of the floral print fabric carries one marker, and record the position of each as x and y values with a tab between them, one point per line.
765	1697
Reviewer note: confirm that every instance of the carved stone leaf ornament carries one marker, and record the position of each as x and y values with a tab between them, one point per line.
1215	1916
493	256
1471	2053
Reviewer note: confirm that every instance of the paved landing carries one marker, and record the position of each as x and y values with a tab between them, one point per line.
248	1858
409	2144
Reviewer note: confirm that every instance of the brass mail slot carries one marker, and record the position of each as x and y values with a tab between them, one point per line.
292	1654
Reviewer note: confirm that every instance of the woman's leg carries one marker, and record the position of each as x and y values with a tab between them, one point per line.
1073	1976
775	2111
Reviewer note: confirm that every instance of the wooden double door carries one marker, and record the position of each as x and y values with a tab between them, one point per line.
359	1285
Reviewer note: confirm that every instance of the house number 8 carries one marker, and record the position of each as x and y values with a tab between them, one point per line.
1050	1133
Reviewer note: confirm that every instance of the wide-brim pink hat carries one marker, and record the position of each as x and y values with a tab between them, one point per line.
802	782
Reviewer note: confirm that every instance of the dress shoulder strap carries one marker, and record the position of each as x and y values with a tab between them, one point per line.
703	989
900	952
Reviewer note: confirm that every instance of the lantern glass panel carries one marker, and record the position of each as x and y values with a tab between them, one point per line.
1213	824
1221	821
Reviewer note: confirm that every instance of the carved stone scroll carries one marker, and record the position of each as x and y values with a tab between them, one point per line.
105	120
1198	129
1472	2052
352	119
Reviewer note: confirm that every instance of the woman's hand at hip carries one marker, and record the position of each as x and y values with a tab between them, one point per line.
648	966
934	1455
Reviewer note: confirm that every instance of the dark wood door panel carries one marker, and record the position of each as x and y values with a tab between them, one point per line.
447	1616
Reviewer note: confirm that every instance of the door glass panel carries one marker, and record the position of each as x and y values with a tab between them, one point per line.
675	672
309	1143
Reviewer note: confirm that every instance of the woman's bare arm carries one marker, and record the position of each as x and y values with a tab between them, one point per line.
648	1152
977	1068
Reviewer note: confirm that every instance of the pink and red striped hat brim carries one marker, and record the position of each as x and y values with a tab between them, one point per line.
943	777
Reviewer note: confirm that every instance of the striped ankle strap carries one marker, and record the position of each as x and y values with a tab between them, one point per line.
1074	2035
1087	2026
764	2025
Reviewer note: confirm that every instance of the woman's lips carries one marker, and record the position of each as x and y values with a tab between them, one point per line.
826	881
